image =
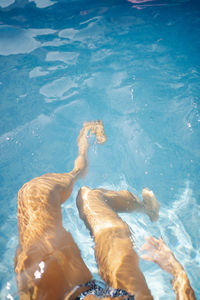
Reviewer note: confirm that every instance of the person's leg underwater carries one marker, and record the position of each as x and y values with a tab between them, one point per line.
118	262
48	263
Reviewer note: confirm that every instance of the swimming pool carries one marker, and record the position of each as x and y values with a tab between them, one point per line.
134	65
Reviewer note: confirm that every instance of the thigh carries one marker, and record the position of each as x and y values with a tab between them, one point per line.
117	260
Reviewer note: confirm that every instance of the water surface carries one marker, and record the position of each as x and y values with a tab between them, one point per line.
134	65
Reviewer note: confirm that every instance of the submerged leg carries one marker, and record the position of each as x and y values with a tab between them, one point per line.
42	237
125	201
118	262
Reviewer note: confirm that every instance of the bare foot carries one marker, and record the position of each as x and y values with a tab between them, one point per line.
97	128
151	205
93	128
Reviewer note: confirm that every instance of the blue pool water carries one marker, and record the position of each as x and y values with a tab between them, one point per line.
134	65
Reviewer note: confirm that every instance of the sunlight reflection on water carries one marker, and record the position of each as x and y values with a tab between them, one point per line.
130	64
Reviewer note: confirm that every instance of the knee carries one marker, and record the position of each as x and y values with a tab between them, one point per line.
82	195
83	191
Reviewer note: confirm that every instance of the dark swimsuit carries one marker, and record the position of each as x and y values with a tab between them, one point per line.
100	290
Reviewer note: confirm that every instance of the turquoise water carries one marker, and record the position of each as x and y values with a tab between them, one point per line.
134	65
